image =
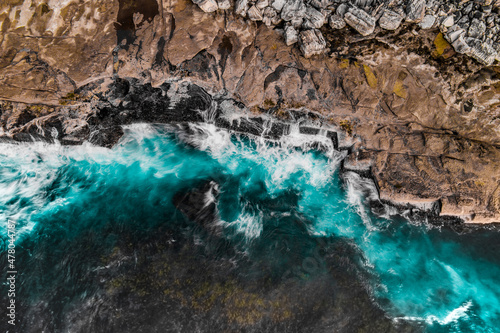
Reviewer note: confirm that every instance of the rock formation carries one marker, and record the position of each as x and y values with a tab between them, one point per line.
471	17
417	103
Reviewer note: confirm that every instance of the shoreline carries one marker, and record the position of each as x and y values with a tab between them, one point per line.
183	107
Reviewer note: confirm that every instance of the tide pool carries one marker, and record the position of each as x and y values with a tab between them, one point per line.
262	206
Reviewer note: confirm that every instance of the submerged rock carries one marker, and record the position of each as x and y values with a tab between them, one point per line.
199	204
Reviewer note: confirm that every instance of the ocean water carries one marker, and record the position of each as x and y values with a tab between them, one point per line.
260	208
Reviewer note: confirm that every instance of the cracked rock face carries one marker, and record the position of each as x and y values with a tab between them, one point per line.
416	105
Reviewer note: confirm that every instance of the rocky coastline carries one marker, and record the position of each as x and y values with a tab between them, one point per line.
412	88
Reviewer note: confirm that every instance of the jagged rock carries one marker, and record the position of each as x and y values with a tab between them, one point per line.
462	22
415	10
448	21
291	35
360	20
293	10
224	4
490	21
297	22
241	7
312	42
427	22
468	8
342	9
276	20
476	29
454	33
497	49
482	52
254	14
270	15
390	20
456	37
337	22
314	16
207	6
261	4
320	4
460	45
484	2
278	4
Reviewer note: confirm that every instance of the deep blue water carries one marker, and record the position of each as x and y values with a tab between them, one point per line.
68	199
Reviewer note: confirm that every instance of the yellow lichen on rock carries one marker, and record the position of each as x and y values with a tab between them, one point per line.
346	125
344	63
443	48
370	77
399	89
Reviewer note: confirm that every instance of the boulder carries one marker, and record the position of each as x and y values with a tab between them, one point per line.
278	4
312	42
224	4
341	10
208	6
477	29
254	14
269	16
291	35
482	52
241	7
427	22
415	10
448	21
337	22
314	16
390	20
261	4
360	20
320	4
293	10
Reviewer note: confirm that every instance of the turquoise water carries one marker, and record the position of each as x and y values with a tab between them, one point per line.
79	199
